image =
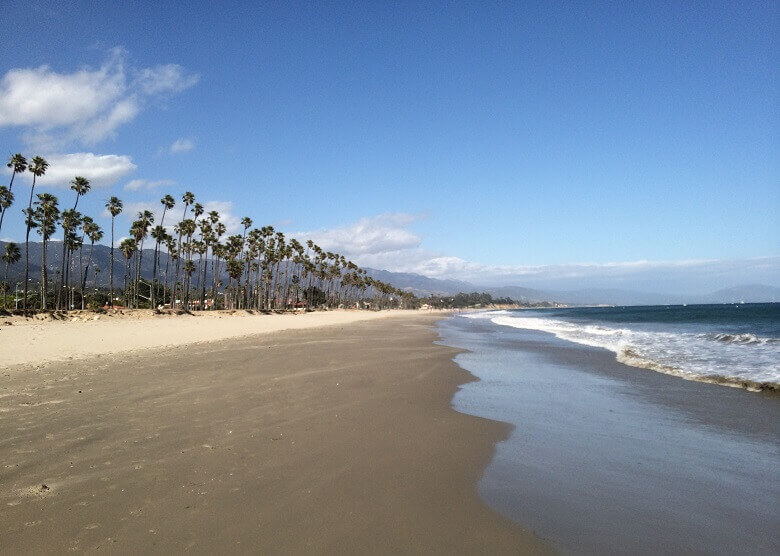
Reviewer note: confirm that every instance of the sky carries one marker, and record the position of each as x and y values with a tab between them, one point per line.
524	143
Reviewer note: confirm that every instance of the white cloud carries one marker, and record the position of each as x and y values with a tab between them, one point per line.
101	170
163	79
182	146
227	215
225	209
85	106
135	185
386	242
381	234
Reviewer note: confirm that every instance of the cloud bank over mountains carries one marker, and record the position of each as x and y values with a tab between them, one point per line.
387	242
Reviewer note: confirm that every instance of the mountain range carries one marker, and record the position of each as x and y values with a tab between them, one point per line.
420	285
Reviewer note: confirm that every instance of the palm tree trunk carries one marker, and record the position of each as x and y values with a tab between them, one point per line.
84	284
27	245
43	271
7	285
111	266
127	266
82	272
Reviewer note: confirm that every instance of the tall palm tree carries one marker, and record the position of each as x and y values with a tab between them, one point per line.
46	215
75	242
140	230
187	228
127	247
170	246
81	186
38	168
188	198
70	221
17	164
10	256
86	224
158	234
94	233
114	207
220	229
6	200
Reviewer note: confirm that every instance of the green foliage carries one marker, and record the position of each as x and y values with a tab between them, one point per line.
463	300
97	300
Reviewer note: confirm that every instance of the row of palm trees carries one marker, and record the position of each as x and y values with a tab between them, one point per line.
257	269
195	264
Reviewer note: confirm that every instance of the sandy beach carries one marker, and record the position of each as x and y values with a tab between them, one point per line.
81	335
337	437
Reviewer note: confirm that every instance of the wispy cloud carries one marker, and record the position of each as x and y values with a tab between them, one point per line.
56	109
181	146
139	184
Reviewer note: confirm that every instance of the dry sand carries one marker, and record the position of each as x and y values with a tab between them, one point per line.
46	337
338	439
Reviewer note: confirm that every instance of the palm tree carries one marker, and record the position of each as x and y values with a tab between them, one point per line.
158	234
140	230
170	246
11	256
187	228
188	198
114	206
37	168
6	200
71	220
46	215
189	268
86	224
216	251
81	186
94	233
127	247
75	242
17	164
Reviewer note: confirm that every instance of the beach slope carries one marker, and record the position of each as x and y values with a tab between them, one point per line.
337	439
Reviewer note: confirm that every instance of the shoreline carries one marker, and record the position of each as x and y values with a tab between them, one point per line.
626	448
329	439
630	358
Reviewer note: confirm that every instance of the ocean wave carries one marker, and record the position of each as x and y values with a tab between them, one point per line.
742	339
483	314
742	360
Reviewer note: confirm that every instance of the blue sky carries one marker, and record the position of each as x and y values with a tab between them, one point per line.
459	139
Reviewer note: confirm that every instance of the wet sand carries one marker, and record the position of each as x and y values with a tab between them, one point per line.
329	440
611	459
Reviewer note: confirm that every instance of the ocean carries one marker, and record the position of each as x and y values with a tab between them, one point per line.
612	451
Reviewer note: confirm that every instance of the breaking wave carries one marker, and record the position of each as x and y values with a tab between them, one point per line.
735	359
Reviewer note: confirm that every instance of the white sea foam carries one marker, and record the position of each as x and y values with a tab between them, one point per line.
738	359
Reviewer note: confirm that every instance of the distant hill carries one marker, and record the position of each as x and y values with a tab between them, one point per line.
422	286
752	293
101	257
419	285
